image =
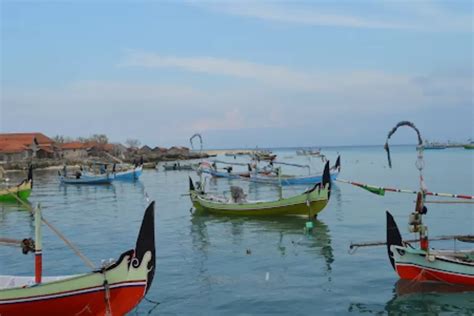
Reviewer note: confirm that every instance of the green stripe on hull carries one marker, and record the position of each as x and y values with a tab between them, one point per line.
10	197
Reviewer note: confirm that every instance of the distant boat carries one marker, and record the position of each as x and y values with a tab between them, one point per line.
21	191
469	146
296	180
309	203
433	145
308	152
178	167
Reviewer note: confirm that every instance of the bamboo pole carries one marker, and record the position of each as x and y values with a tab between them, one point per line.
86	260
368	186
383	243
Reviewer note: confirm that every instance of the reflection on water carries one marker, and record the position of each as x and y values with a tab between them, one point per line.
287	228
423	298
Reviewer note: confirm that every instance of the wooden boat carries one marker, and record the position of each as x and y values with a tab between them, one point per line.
308	152
114	289
296	180
178	167
309	203
433	145
426	264
22	190
80	178
211	169
130	174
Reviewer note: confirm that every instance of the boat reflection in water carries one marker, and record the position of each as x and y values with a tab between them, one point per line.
424	298
286	231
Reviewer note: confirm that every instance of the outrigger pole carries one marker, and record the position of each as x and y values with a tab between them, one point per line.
463	238
381	190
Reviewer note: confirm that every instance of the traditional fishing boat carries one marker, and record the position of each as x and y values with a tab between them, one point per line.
433	146
178	167
308	152
309	203
423	263
469	146
86	178
426	264
22	190
130	174
227	172
282	179
114	289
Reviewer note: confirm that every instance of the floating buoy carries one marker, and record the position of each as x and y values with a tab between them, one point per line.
308	227
267	276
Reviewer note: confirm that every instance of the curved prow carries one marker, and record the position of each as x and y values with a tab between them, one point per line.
326	179
337	165
191	185
30	175
146	241
393	237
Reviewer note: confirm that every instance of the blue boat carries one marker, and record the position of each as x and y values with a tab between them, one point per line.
296	180
87	179
129	175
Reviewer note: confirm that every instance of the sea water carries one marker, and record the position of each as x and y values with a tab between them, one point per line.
214	265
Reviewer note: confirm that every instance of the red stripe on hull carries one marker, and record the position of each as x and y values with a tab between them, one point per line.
411	272
122	300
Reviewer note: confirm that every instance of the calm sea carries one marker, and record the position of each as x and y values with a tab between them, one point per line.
202	263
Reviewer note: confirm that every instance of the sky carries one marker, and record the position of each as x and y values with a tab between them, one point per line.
241	73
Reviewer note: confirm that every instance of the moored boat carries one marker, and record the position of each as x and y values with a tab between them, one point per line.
21	191
130	174
426	264
114	289
309	203
282	179
87	179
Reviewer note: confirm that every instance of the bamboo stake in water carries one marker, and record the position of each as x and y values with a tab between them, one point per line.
86	260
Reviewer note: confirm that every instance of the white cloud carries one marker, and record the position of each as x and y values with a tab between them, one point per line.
421	15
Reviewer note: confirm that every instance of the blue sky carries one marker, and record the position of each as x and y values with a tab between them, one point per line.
242	73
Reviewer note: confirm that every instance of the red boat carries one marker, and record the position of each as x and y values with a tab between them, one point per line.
114	289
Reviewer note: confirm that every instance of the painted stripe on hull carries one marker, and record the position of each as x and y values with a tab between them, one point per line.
123	298
71	293
410	271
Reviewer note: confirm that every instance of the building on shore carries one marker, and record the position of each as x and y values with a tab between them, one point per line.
22	146
74	150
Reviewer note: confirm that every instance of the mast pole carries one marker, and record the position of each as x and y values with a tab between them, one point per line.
38	250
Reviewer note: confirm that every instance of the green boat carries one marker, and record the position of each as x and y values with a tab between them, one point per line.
469	146
21	191
309	203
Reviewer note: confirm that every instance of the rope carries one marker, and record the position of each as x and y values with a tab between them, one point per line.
108	308
87	261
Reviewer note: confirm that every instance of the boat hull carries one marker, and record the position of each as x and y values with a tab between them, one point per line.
306	180
107	179
22	191
413	264
129	175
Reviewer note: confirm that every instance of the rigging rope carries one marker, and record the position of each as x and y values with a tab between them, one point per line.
86	260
